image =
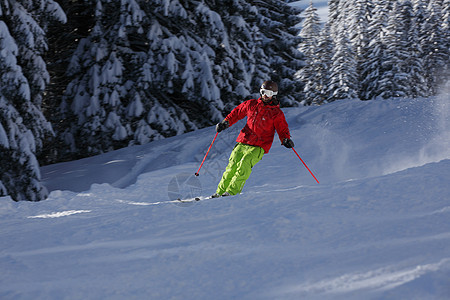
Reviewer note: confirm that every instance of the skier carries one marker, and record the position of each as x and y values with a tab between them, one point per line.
264	116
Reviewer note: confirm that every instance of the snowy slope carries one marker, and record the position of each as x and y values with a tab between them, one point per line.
376	227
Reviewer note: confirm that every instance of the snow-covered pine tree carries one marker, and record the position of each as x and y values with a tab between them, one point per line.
394	81
333	16
343	82
433	45
375	52
23	127
358	23
309	75
325	50
421	15
413	63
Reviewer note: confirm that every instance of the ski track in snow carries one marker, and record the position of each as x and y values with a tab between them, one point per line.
380	279
59	214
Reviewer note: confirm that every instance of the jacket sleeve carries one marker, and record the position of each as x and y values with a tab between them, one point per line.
238	113
281	127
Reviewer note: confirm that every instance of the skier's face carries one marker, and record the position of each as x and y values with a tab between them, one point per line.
266	98
266	95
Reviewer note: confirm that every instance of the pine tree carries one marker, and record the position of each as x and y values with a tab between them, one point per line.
333	17
359	17
433	45
372	67
413	63
394	79
421	15
343	78
310	33
23	127
325	50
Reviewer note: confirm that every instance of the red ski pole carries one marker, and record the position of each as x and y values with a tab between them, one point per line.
305	165
196	174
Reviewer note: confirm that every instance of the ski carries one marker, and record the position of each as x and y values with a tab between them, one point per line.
200	198
190	199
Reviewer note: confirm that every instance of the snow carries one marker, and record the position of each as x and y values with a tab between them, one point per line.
55	11
376	227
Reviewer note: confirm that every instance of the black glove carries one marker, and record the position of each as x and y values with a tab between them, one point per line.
288	143
222	125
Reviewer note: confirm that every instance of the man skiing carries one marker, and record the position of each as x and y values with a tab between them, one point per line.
264	116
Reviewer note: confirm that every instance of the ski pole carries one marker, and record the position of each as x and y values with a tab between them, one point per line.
196	174
305	165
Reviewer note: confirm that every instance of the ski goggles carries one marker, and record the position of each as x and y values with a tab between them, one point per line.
268	93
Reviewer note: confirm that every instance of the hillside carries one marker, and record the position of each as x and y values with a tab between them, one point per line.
376	227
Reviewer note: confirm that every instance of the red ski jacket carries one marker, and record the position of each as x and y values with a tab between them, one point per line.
262	121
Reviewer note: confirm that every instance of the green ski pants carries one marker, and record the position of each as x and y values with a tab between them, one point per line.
240	165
